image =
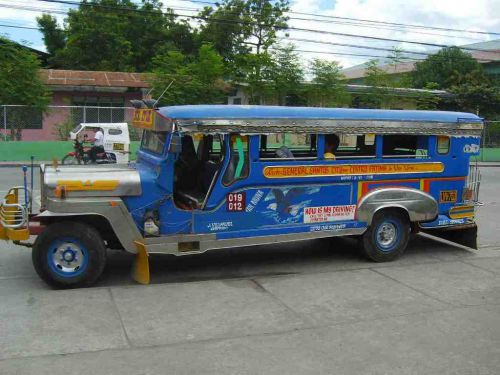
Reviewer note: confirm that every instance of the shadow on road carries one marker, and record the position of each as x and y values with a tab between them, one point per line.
268	260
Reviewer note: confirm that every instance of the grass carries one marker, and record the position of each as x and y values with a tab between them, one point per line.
42	150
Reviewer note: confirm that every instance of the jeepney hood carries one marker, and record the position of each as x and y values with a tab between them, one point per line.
111	180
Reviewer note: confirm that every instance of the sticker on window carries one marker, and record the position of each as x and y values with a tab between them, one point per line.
235	202
329	213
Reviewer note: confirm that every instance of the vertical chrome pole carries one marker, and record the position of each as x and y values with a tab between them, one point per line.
31	186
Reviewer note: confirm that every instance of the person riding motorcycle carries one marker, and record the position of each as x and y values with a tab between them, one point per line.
98	146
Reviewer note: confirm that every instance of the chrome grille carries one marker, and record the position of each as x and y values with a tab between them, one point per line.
473	184
15	214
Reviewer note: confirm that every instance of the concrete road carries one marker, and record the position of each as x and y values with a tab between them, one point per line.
315	307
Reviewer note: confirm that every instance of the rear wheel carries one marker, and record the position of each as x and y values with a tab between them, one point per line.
69	255
387	237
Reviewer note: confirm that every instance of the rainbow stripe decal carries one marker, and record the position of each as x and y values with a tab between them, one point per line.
461	212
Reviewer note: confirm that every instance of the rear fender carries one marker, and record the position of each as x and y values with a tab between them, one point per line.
419	205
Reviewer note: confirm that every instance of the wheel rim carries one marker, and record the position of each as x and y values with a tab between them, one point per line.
67	257
387	235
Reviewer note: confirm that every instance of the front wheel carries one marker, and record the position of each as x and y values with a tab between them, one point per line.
70	160
387	237
69	255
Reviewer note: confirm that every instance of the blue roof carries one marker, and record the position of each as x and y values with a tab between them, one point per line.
201	112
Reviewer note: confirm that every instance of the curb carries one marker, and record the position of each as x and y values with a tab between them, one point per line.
19	164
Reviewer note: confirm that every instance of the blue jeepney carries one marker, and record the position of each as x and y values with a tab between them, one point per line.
215	176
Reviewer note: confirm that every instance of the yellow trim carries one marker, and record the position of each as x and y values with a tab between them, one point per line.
3	234
422	184
360	189
140	270
144	118
17	234
461	212
331	170
75	185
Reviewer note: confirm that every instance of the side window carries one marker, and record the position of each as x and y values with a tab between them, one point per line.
288	146
349	146
443	144
114	131
238	167
405	146
208	148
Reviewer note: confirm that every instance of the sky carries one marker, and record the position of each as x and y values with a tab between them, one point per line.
478	15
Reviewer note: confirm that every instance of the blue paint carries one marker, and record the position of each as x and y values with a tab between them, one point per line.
52	265
277	112
394	244
276	206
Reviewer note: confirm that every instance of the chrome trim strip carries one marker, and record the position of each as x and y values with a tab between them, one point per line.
205	243
338	126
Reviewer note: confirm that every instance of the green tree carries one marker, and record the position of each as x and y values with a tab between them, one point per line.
224	28
116	35
446	68
196	80
428	100
286	74
96	37
327	88
378	93
53	35
20	82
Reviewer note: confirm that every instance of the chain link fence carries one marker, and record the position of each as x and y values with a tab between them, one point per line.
19	122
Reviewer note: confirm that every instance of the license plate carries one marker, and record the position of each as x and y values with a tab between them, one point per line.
118	147
447	196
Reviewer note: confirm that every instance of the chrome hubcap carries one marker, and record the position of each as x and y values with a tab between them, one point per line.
386	234
68	257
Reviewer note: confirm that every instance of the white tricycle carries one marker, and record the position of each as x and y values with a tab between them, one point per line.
116	144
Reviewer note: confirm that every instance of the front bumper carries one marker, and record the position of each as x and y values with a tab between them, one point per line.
14	215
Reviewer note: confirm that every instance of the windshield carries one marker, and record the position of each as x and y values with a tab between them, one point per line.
153	141
77	129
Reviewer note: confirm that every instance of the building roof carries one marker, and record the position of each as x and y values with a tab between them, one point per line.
490	51
61	79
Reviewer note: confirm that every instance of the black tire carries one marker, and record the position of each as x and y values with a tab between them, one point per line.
68	241
382	247
70	160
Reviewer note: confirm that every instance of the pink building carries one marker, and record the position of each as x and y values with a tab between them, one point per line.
84	96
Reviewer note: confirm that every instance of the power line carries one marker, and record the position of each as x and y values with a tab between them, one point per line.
347	23
368	20
297	39
19	27
220	20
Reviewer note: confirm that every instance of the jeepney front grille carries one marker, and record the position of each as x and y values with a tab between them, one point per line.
471	192
14	214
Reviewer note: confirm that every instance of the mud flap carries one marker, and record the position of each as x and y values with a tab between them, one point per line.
465	235
140	270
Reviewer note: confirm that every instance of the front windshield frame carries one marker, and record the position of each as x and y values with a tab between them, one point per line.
153	142
77	129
